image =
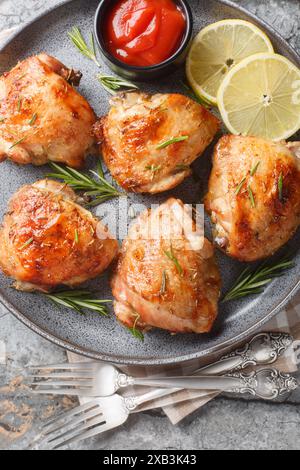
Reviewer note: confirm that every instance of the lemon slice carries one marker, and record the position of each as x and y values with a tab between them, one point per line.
216	49
261	96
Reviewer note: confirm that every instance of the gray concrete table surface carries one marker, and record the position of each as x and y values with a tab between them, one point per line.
225	423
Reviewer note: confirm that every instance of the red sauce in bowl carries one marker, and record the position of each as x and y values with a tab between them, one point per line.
144	33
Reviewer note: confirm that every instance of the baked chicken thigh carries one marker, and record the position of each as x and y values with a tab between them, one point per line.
48	240
254	196
167	276
149	142
42	117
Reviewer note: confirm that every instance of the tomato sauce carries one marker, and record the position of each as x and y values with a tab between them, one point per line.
144	33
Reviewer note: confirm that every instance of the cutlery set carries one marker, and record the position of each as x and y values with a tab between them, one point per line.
109	410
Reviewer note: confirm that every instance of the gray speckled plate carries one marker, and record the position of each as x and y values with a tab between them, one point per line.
103	338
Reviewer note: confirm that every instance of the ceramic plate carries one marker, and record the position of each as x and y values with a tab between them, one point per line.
103	338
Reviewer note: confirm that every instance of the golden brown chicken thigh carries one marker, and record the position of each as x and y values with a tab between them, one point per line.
167	278
135	133
254	196
42	117
48	240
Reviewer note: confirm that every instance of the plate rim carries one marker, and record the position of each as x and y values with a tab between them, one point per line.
139	361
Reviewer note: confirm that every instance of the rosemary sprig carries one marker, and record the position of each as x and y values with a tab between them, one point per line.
280	187
100	190
253	282
114	84
110	83
88	50
171	141
135	332
170	254
79	300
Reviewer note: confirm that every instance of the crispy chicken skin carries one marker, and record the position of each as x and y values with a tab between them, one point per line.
48	240
137	124
152	290
251	228
42	117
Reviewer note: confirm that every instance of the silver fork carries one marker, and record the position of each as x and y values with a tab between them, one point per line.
103	414
94	379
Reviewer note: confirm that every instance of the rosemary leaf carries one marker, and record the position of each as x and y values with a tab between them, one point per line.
114	84
92	43
254	169
280	187
19	105
27	243
251	196
135	332
99	189
22	76
76	236
17	143
171	141
253	282
153	168
239	187
33	119
63	303
79	42
170	254
79	300
100	172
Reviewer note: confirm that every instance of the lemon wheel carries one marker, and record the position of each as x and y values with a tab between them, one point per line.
261	97
217	49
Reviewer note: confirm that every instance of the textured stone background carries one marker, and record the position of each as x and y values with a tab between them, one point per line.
225	423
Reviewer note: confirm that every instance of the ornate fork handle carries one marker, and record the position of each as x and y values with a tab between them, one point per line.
263	349
267	384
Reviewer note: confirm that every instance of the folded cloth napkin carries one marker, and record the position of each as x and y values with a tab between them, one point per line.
181	404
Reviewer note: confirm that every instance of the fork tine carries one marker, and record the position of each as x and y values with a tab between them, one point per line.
101	428
66	366
62	375
62	383
77	392
75	411
77	432
95	412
